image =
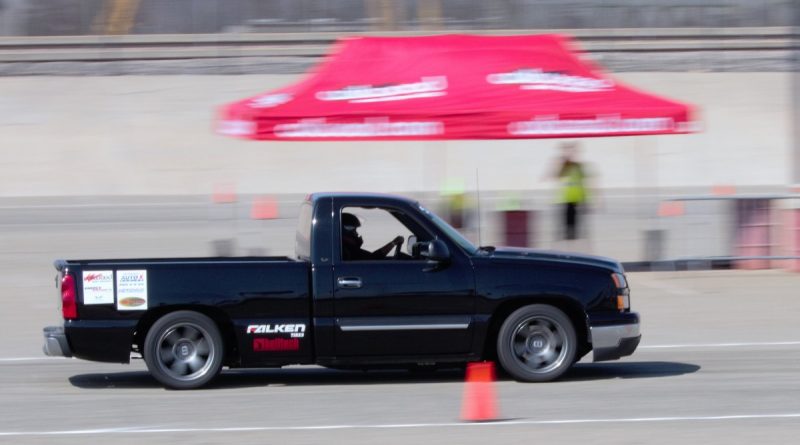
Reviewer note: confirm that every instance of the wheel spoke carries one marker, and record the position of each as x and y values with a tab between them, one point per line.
172	337
166	355
179	367
202	347
196	363
191	333
548	356
519	349
532	359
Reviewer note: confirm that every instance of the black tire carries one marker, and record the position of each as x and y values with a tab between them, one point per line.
183	350
537	343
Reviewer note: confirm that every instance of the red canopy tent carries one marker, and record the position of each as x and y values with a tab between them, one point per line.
453	87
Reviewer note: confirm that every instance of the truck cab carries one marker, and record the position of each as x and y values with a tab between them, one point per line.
417	302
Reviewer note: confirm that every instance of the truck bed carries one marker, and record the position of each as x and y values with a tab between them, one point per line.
239	291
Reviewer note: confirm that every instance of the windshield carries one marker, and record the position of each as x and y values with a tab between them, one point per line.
452	233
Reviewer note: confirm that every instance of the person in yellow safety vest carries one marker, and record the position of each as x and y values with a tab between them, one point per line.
574	190
457	207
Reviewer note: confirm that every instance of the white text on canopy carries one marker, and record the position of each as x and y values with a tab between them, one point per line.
537	79
426	87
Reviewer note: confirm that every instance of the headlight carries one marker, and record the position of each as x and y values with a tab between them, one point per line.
619	280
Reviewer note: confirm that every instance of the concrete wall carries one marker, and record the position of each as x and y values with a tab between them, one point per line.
68	17
132	135
13	17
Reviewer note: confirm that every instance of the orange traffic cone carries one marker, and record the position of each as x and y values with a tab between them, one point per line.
264	207
671	208
480	402
224	193
723	190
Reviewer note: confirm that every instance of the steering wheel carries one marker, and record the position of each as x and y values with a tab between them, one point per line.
398	249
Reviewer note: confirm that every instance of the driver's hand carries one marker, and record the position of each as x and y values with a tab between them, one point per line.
398	241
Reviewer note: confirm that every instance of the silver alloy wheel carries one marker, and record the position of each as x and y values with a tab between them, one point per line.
185	351
540	344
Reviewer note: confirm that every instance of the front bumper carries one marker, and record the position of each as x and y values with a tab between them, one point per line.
610	342
55	342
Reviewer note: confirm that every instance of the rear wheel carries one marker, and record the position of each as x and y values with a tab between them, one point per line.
537	343
183	350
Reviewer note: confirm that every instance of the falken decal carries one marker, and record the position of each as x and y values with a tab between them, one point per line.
294	330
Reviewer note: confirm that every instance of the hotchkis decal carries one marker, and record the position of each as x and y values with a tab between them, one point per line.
537	79
276	344
320	128
98	287
295	330
426	87
131	290
599	125
270	100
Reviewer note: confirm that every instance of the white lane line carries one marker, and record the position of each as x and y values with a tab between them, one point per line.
30	359
109	205
140	430
721	345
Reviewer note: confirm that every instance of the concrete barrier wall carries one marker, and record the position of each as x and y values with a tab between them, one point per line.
152	135
71	17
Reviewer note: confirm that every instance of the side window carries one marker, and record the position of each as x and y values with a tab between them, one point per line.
302	239
375	233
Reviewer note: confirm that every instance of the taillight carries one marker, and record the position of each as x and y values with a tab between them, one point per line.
69	298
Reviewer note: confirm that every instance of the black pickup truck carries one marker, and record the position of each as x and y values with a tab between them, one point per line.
439	301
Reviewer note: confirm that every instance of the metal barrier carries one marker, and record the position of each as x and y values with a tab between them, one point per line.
761	230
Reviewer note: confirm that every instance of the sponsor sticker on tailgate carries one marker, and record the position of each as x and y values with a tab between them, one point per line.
131	290
98	287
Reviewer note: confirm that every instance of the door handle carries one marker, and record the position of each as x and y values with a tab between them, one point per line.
349	282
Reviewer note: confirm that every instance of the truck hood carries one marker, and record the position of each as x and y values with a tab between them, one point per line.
510	253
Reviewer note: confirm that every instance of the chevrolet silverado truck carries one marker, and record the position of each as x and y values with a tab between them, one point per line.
427	298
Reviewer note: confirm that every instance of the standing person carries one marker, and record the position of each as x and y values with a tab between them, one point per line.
574	191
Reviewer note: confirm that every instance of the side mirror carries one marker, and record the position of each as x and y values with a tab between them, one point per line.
412	240
438	251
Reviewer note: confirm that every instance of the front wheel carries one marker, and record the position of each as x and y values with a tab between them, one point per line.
183	350
537	343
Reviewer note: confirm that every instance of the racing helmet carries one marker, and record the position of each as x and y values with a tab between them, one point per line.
350	222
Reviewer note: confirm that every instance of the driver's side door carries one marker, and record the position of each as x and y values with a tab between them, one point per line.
401	306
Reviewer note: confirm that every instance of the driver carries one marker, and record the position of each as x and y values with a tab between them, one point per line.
351	241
